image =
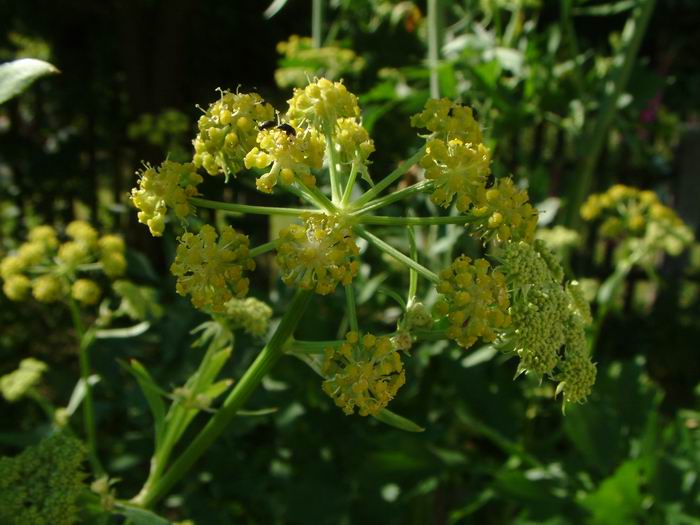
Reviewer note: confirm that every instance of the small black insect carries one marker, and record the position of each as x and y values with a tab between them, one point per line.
490	180
267	124
475	114
289	130
449	113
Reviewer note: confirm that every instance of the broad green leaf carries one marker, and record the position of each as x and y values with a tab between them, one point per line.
18	75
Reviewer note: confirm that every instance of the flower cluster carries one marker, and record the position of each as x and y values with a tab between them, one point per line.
321	104
448	120
228	130
210	267
169	186
638	217
16	384
43	483
292	154
364	373
504	213
318	255
474	300
250	314
301	61
49	269
353	144
458	169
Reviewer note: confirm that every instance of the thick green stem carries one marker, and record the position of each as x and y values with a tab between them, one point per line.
389	179
234	402
396	254
419	187
84	341
413	221
333	169
592	145
245	208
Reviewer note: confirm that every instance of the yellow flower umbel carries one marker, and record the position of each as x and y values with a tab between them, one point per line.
321	104
16	384
318	255
458	169
364	373
448	120
353	143
82	232
48	289
169	186
227	132
504	213
112	255
292	154
474	299
638	218
211	272
16	287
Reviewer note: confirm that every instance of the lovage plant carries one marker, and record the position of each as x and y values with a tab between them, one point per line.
514	296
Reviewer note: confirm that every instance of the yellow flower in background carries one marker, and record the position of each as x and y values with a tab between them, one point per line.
81	231
250	314
15	385
86	291
363	374
48	289
318	255
16	287
210	267
228	130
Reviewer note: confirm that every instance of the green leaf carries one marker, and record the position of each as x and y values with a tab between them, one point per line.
18	75
123	333
153	394
397	421
139	516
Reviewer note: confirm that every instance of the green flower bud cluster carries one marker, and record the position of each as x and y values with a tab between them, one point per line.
292	155
228	131
318	255
42	484
638	217
210	268
474	300
16	384
301	61
48	268
364	373
250	314
168	186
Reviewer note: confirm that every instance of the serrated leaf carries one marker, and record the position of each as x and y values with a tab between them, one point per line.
18	75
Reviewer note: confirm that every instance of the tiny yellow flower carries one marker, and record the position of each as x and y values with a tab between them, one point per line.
44	234
227	132
112	255
211	271
12	265
166	187
81	231
73	253
474	299
32	253
318	255
364	373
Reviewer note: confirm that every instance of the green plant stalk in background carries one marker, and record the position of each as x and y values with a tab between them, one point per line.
592	145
